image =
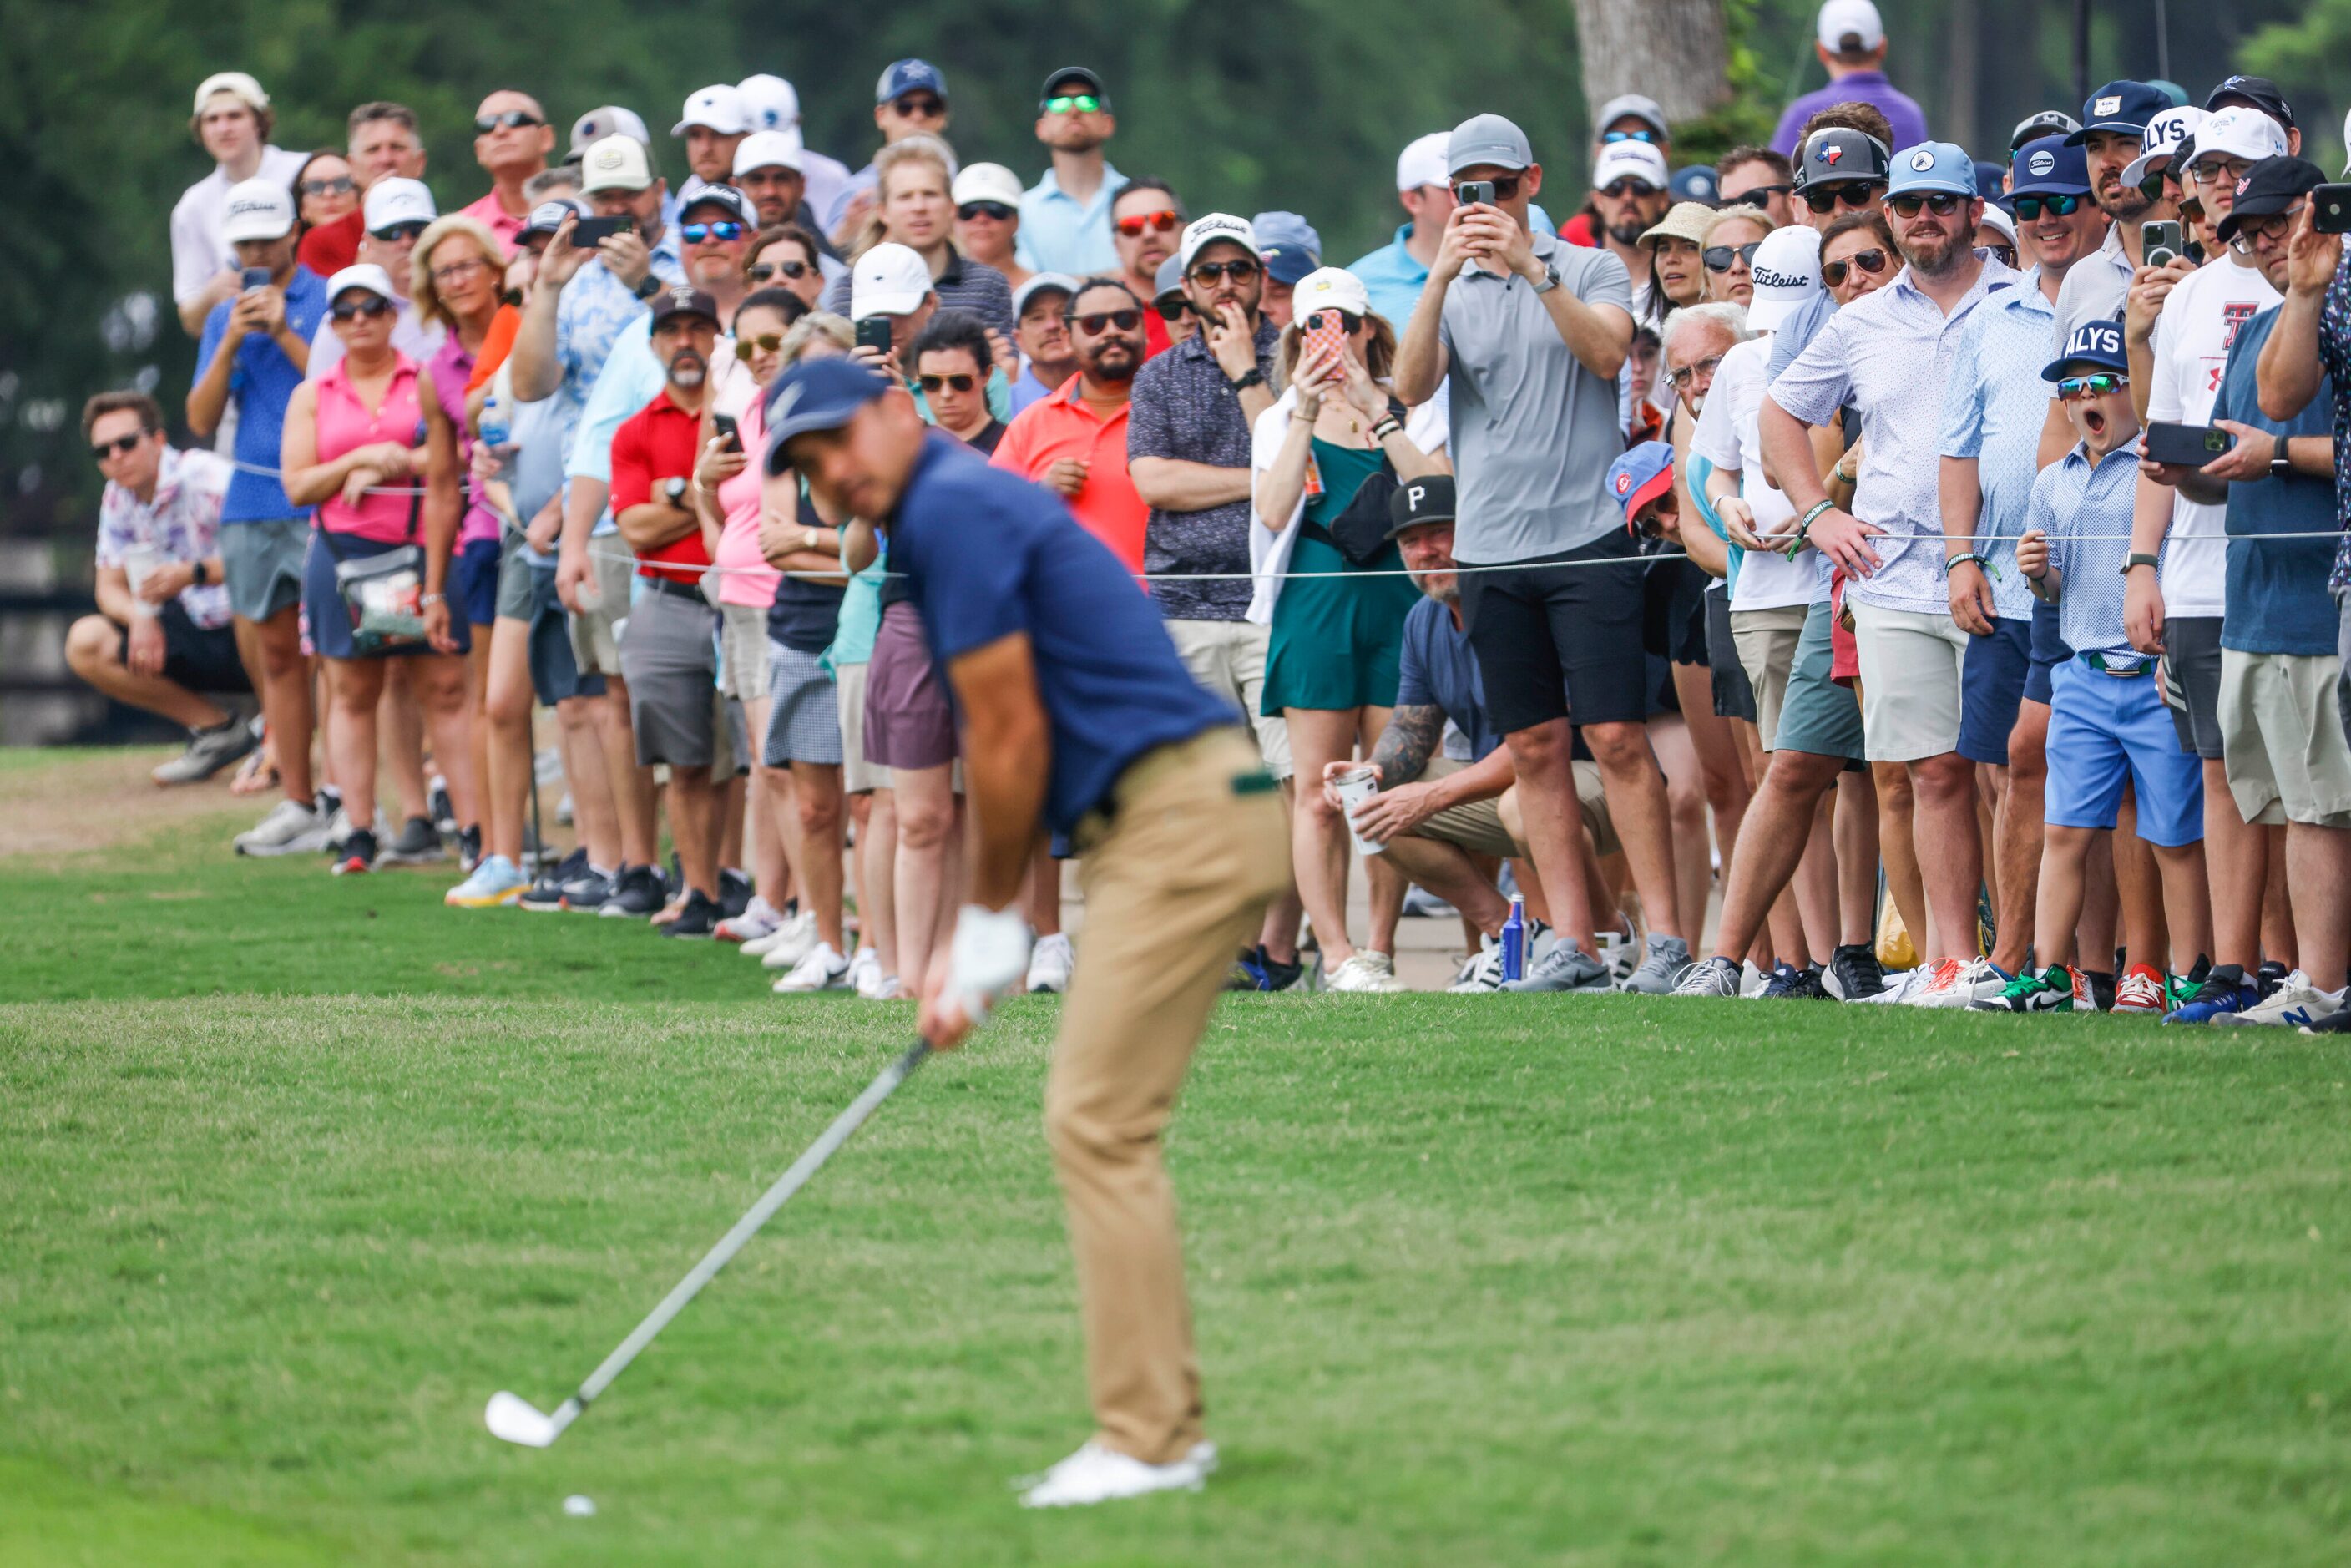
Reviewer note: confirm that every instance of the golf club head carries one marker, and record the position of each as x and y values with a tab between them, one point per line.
518	1420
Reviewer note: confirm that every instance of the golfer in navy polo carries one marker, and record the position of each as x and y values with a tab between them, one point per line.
1076	714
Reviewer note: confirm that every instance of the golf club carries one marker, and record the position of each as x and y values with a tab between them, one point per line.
518	1420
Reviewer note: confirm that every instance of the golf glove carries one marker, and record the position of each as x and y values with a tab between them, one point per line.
989	956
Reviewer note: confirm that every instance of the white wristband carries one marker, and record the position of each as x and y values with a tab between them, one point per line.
988	956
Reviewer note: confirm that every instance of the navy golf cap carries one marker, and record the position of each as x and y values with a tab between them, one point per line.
2050	166
2097	343
2122	106
816	394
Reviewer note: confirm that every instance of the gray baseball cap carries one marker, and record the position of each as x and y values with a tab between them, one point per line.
1635	105
1487	139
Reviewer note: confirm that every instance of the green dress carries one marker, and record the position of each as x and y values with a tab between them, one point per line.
1336	640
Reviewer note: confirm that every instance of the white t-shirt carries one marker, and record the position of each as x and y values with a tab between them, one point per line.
198	251
1729	437
2201	318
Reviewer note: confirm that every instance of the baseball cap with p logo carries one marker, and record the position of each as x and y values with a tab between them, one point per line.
1419	502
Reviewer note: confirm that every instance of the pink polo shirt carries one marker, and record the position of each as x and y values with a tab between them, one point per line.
506	226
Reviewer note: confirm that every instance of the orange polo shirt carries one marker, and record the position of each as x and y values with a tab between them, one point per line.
1061	425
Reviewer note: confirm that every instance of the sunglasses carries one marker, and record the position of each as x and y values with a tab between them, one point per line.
1765	192
117	447
2005	253
1719	258
726	230
1871	261
994	210
1942	204
512	119
2073	387
765	343
961	382
391	233
918	103
1140	224
768	269
1853	194
1630	136
1073	103
1347	322
1686	374
1095	323
341	185
1506	187
372	306
2030	207
1239	270
1625	187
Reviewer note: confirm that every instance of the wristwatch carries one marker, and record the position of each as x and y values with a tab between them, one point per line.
1549	280
675	490
2281	466
1255	378
198	574
2140	557
808	539
647	287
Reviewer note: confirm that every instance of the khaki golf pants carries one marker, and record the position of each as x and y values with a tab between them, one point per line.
1176	876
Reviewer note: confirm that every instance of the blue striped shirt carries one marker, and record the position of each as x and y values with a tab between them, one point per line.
1995	403
2086	510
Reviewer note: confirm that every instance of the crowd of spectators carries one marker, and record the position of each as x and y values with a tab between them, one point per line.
1856	543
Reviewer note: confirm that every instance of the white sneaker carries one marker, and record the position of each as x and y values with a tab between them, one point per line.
759	918
1959	983
1051	963
792	942
1482	974
1899	984
1365	971
2295	1003
823	970
864	968
291	828
1621	953
1099	1474
1752	980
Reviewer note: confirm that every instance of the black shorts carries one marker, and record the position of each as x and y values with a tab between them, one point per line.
1675	614
1734	694
195	658
1556	639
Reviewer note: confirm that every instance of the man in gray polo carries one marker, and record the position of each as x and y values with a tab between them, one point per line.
1530	334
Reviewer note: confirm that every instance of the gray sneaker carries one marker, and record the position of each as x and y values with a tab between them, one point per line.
208	751
1716	977
1566	968
1668	957
418	843
291	828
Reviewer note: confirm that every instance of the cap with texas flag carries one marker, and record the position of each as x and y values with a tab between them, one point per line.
1640	477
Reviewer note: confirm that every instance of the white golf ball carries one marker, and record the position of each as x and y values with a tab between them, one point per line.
579	1506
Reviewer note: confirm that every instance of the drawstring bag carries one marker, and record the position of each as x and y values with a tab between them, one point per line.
384	594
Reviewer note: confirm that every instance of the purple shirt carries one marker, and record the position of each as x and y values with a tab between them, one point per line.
451	368
1908	121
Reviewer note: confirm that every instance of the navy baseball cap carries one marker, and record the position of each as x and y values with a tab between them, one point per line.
816	394
2257	92
1697	184
900	77
2122	106
1840	156
1640	477
2097	343
1932	168
2051	166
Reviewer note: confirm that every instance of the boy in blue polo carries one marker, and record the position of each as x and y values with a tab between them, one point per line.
2107	723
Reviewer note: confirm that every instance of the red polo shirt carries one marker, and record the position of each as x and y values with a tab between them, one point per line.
657	443
1061	426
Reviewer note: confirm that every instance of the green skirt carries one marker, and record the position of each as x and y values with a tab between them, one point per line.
1336	639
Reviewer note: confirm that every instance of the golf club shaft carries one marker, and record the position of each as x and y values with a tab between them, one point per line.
774	1198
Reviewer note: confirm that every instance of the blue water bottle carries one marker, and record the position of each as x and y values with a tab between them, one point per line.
1514	941
495	432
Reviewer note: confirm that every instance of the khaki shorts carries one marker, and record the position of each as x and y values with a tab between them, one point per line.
858	775
2287	759
1910	665
595	634
1766	640
1478	827
1227	657
743	651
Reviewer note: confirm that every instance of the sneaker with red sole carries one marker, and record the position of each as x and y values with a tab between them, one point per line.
357	854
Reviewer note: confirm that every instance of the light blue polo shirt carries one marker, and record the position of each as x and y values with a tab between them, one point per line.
1059	234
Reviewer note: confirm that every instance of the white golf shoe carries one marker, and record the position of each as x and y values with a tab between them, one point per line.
1051	963
790	941
1099	1474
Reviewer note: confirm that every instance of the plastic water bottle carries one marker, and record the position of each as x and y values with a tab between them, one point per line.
495	432
1514	941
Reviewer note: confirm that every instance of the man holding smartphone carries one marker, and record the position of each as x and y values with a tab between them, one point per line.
1529	334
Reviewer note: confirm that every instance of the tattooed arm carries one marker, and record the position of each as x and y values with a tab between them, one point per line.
1402	754
1408	743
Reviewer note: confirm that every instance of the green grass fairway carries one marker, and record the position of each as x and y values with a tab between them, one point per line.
294	1171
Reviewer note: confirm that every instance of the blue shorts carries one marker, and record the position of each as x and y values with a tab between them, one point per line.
2107	729
1991	687
2049	650
326	621
474	582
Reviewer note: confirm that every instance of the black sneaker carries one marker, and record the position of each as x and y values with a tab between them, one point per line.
546	894
1781	984
588	892
734	893
2269	977
1807	986
698	916
443	811
358	854
469	848
2337	1022
418	843
2102	988
1853	974
637	895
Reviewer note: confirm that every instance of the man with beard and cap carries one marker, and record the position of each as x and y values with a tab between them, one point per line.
1073	441
1631	190
2114	120
1841	168
1040	308
668	644
774	104
1886	355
